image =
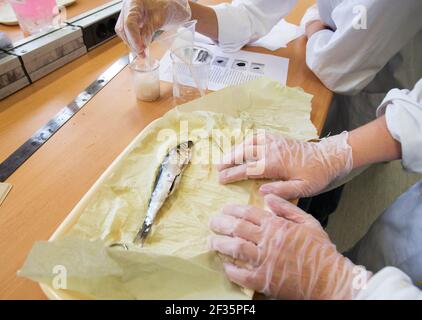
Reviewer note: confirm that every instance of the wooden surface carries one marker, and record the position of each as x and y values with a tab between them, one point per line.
53	180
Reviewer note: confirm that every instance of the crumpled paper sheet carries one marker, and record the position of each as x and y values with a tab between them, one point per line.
175	262
263	103
4	191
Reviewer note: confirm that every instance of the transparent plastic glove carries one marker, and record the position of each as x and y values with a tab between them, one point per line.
302	169
285	254
139	19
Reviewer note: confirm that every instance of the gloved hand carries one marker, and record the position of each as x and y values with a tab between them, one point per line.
139	19
285	254
304	168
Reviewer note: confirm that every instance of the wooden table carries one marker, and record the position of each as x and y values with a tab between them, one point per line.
53	180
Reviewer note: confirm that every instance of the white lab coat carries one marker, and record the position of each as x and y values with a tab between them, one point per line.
360	65
403	113
243	21
390	284
395	239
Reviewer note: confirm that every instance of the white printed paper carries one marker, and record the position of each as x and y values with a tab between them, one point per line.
229	69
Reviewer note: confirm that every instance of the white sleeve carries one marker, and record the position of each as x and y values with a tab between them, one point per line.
346	60
403	113
390	284
244	21
311	14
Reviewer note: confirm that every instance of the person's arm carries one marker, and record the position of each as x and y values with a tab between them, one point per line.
373	143
244	21
396	134
207	20
303	169
346	60
313	27
311	21
403	114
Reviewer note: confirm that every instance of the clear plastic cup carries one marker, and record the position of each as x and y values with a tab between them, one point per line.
182	36
35	16
191	69
146	79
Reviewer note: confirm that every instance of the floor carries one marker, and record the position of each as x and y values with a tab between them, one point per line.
364	199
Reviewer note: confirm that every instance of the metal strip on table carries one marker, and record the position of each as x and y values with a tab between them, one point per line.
25	151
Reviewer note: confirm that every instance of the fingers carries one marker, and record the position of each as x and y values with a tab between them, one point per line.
285	209
241	276
246	151
132	29
235	227
249	170
236	248
248	213
292	189
238	173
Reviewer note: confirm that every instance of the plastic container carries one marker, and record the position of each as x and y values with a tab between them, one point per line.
190	69
35	16
182	36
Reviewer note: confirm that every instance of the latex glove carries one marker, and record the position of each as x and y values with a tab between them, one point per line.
284	256
139	19
304	168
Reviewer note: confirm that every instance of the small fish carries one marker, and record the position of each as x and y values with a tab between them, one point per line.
168	177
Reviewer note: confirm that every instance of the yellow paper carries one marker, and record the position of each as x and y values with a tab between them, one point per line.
176	248
4	191
264	103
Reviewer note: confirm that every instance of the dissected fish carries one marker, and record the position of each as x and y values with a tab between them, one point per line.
168	177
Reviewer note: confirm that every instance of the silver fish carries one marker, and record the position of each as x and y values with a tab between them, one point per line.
168	177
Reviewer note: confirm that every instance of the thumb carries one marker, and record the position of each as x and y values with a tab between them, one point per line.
285	209
292	189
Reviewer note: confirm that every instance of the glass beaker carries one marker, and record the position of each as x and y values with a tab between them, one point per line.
146	78
37	15
191	69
